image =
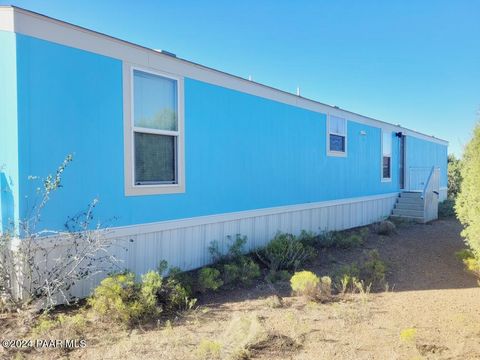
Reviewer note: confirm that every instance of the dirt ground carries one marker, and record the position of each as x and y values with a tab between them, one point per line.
429	311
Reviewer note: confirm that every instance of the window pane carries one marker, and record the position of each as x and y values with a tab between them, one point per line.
386	167
337	125
154	101
154	159
387	143
337	143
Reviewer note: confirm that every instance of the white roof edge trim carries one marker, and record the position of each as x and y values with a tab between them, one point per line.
33	24
6	19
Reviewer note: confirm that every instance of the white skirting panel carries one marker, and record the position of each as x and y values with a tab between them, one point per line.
184	243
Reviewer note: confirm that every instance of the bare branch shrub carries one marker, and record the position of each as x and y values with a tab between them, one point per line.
47	268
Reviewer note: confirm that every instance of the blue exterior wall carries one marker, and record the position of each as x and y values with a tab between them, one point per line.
421	153
9	189
241	152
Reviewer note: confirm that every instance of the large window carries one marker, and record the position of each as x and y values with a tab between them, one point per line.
155	127
337	136
155	147
386	155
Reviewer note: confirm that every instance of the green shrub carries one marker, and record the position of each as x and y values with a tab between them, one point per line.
305	283
285	252
234	265
454	176
175	296
349	241
464	254
120	299
308	238
328	239
468	258
236	250
243	270
446	208
274	276
184	278
372	271
468	199
151	285
385	227
65	326
342	239
209	279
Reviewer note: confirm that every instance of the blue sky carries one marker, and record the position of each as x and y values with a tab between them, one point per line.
414	63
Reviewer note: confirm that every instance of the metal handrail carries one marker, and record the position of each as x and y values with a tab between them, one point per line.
427	182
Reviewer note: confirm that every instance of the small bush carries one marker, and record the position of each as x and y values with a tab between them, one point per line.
325	287
446	208
308	238
184	278
209	279
285	252
385	227
274	302
328	239
208	349
236	250
373	270
275	276
244	270
350	270
342	239
174	296
44	325
151	285
305	283
234	266
120	299
63	326
349	241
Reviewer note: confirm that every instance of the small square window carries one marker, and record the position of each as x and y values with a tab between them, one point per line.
337	143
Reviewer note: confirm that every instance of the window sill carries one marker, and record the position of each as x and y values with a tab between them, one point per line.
337	153
140	190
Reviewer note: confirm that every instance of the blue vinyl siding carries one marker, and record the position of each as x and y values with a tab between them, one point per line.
242	152
9	189
421	153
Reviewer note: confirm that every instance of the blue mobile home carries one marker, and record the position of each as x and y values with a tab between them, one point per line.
180	154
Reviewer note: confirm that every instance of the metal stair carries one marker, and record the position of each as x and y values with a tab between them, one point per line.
410	206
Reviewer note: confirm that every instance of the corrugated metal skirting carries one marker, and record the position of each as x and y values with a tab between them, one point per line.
187	245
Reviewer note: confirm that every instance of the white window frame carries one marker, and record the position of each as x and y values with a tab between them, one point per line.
132	189
332	152
382	133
